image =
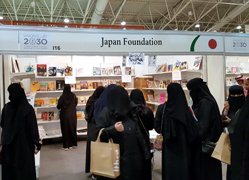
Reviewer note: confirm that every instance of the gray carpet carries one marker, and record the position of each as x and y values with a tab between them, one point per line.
57	164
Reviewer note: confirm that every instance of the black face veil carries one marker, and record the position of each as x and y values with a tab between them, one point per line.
118	102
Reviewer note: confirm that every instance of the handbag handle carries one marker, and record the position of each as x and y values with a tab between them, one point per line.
98	138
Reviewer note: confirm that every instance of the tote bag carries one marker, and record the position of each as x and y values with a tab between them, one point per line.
105	158
158	143
222	150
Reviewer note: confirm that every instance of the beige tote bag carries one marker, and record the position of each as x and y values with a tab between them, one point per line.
105	158
222	150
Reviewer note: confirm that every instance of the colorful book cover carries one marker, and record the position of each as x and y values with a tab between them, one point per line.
35	86
77	87
68	71
90	85
95	85
52	101
83	85
39	102
197	63
127	70
162	98
170	67
52	71
41	69
184	65
43	86
44	116
81	100
96	71
104	71
177	66
60	84
51	86
50	115
60	71
117	70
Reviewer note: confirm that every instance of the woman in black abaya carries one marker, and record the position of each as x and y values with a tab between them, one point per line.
20	137
240	145
91	125
236	100
119	121
180	131
147	123
210	128
67	105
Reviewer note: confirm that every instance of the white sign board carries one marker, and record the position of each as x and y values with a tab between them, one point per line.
237	44
176	75
8	40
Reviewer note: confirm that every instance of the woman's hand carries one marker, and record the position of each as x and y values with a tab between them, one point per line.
119	126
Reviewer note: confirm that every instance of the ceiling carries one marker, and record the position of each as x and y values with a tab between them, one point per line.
212	15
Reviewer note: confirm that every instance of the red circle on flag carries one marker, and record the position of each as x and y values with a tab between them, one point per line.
212	43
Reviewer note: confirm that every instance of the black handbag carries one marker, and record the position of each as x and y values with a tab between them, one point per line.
208	147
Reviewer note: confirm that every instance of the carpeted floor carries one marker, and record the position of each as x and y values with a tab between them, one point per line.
57	164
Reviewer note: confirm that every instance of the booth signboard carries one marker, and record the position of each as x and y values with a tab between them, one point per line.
237	44
25	39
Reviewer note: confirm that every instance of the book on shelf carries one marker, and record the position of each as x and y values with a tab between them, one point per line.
50	115
177	66
69	71
39	102
184	65
80	113
161	68
83	85
162	98
82	99
35	86
15	65
41	69
77	86
52	71
44	116
96	71
46	101
170	67
43	86
51	86
90	85
52	101
60	84
80	72
117	70
60	71
197	63
127	70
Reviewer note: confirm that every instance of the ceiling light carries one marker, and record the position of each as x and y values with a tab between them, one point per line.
66	20
123	23
176	29
239	27
197	26
190	13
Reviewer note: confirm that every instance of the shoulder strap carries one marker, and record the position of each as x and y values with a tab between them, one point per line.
164	106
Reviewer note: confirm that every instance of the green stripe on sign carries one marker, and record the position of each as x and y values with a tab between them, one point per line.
192	48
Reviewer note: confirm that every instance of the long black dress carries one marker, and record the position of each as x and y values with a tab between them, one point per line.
20	137
67	105
132	145
210	129
146	116
180	131
240	145
91	125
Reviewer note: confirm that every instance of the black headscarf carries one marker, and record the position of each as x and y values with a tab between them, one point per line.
102	101
236	98
67	95
137	96
176	109
118	102
14	112
92	99
198	90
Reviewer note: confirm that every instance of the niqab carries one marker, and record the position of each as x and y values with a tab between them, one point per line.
236	98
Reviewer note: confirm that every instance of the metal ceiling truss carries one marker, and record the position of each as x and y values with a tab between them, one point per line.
219	15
